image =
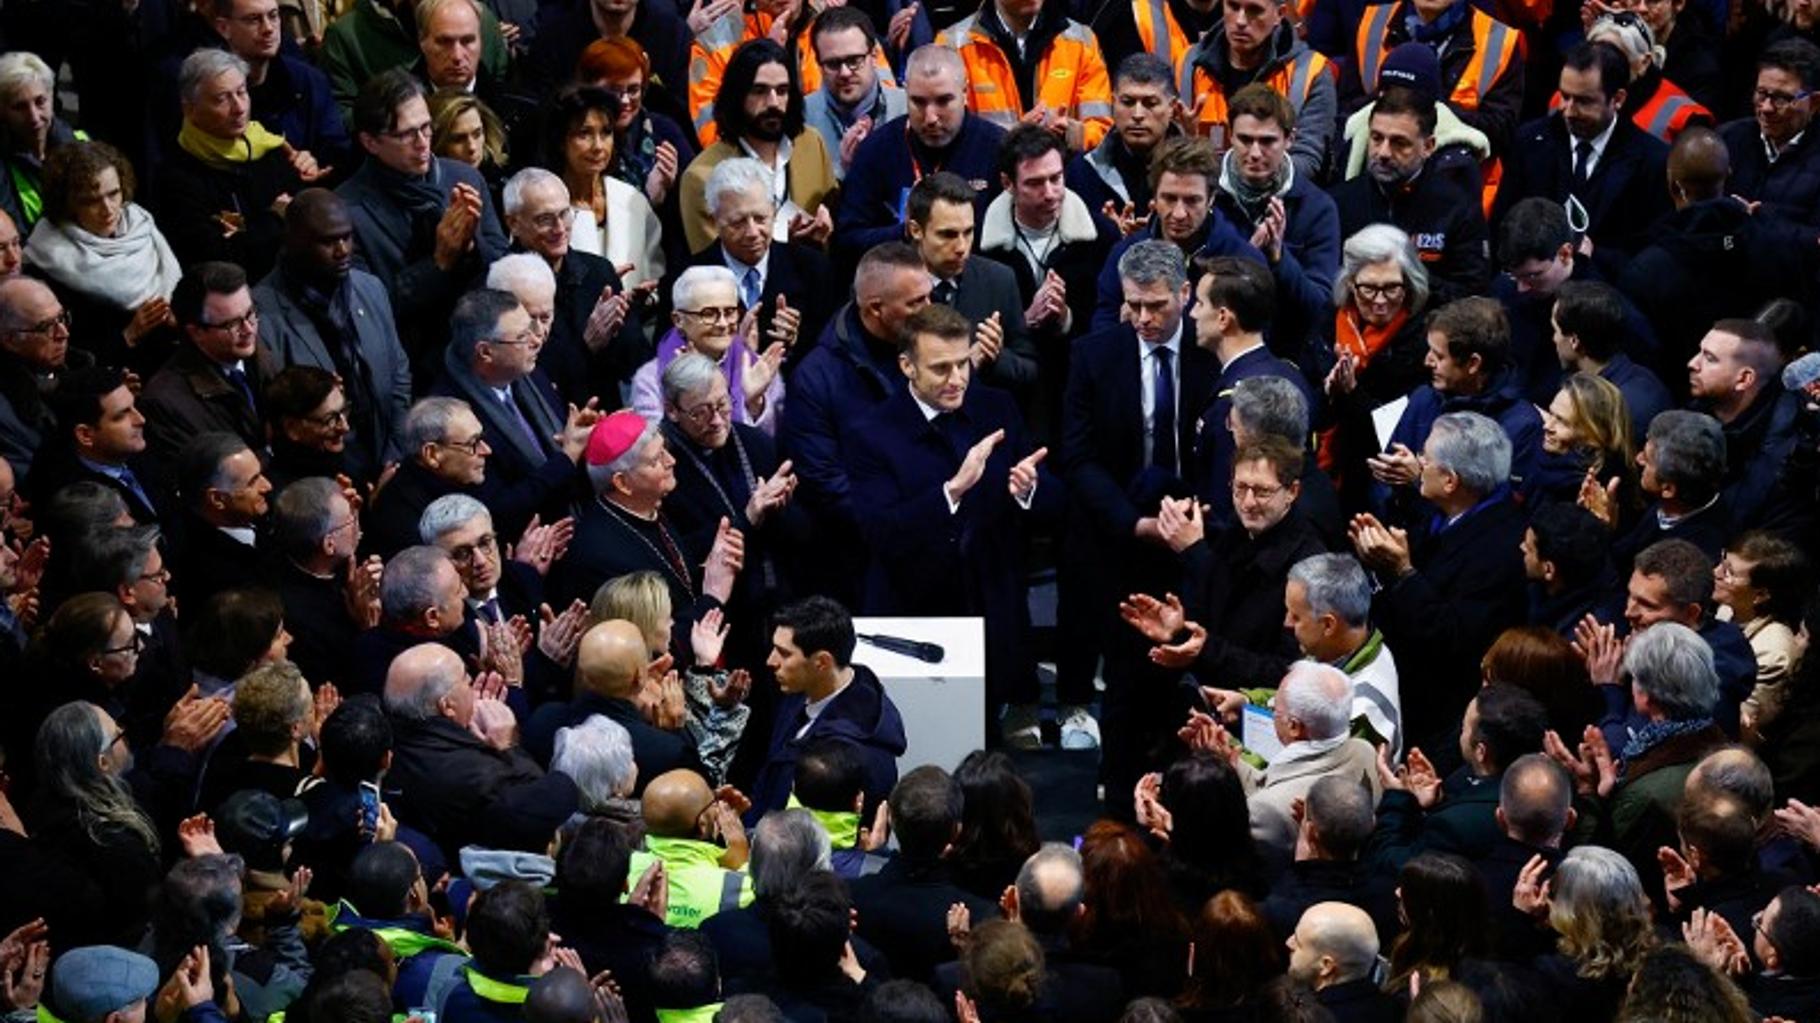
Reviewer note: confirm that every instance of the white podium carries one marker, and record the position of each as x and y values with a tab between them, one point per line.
943	705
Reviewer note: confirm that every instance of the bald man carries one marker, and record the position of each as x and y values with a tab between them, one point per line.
12	248
35	351
1334	950
561	996
1713	256
1535	809
317	309
462	777
612	664
697	837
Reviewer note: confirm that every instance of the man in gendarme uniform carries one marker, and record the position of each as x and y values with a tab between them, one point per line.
683	817
1255	42
1028	61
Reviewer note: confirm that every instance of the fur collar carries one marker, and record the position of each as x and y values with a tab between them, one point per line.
998	232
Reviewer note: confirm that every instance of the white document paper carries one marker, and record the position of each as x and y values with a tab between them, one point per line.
1259	731
1385	417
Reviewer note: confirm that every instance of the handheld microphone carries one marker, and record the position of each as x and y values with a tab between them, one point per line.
930	652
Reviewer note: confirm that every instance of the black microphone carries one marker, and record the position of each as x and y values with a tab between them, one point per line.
930	652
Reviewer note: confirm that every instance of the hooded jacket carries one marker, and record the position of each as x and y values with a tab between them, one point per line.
861	715
1303	76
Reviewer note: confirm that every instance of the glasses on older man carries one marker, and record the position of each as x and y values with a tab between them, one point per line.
708	412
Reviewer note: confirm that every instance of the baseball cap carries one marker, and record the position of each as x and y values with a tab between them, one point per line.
256	825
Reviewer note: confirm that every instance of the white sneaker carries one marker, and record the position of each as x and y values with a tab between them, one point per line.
1022	726
1079	730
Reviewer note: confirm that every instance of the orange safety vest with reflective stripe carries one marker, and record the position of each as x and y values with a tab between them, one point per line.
710	52
1070	78
1668	112
1171	43
1492	41
1294	80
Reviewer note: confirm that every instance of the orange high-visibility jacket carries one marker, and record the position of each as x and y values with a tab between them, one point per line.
1070	78
1666	115
1294	79
709	53
1160	32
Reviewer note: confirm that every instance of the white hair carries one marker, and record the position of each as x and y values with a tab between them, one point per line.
203	67
22	67
449	513
521	273
683	292
597	756
1319	696
737	176
1379	243
513	198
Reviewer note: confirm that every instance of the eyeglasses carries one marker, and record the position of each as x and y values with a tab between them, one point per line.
161	577
422	131
528	336
338	417
551	221
1756	922
50	325
836	65
239	323
708	412
472	446
1374	292
116	740
487	545
624	92
1240	491
352	520
133	646
714	314
1778	101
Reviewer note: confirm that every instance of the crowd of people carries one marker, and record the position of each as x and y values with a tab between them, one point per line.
444	446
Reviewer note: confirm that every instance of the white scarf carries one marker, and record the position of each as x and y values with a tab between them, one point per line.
124	271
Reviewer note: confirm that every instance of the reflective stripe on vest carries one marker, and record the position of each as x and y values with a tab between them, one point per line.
497	991
1293	81
699	1014
1372	31
1490	36
1171	44
1666	112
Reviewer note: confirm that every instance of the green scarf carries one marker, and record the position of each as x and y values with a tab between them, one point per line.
225	153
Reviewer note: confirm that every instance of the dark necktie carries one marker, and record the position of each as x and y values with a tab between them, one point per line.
944	292
1582	161
237	376
131	482
524	424
1162	423
489	610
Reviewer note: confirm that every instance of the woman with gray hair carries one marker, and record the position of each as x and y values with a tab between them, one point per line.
1375	351
710	321
1596	906
597	754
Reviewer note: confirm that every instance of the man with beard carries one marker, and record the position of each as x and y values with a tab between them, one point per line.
853	99
1591	156
317	309
939	133
1445	223
758	112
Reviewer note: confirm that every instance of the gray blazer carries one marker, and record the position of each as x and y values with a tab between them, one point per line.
288	331
1272	792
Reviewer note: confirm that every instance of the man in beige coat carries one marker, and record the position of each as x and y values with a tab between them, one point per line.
1313	716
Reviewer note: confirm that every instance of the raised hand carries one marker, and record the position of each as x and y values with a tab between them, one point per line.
1381	548
1344	377
1417	777
897	34
1397	467
1152	816
1801	822
771	493
704	13
542	546
608	315
1599	646
652	892
707	637
850	140
573	440
874	838
733	691
1156	620
973	466
756	373
304	164
725	559
1228	704
189	987
663	173
988	341
28	571
960	927
455	230
1677	875
1711	938
812	230
193	723
1050	301
24	956
155	313
1530	895
1179	522
1181	655
197	835
1601	500
1127	217
1023	475
559	635
494	723
785	323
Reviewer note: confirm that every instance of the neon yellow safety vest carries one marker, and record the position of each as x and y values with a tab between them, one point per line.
497	991
699	886
842	826
699	1014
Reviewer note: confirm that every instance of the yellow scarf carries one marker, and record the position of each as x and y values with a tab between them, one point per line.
224	153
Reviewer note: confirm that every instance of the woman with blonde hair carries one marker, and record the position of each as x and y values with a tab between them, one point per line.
464	128
715	712
1586	430
1761	583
